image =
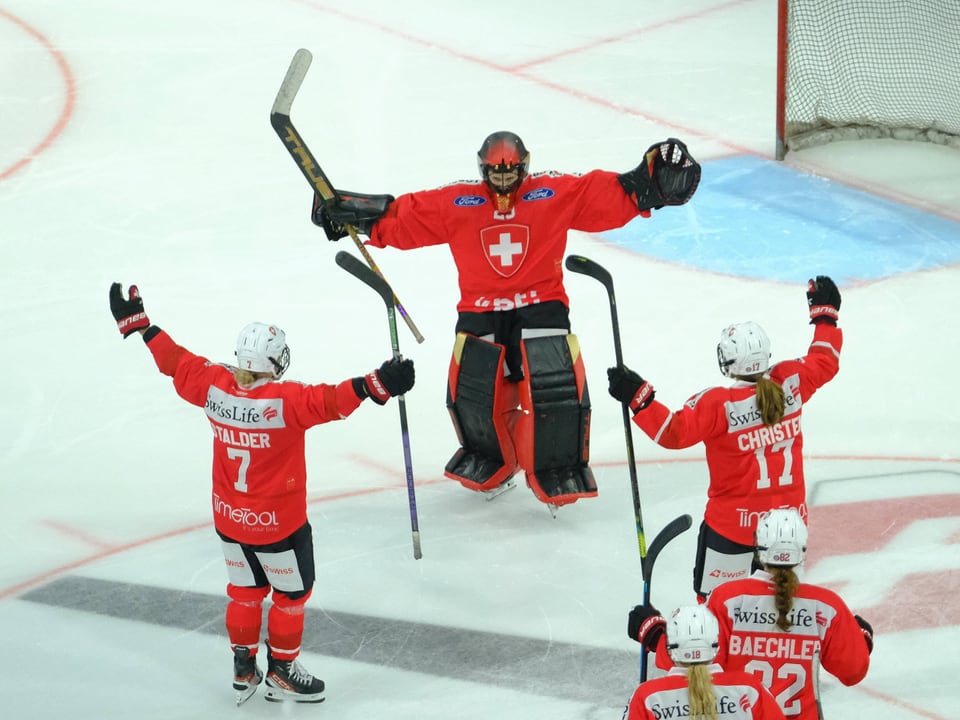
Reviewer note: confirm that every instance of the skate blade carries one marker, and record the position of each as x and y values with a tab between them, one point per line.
553	510
277	695
243	695
505	486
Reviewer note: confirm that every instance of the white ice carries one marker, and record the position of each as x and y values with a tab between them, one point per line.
136	148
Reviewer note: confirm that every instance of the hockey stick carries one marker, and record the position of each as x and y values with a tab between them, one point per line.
678	525
360	271
585	266
283	125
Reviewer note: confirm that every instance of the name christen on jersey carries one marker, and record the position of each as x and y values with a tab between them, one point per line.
244	516
680	708
244	413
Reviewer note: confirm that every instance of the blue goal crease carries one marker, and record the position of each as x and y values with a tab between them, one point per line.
762	219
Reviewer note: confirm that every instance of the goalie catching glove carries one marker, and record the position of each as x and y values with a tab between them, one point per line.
355	209
628	387
668	175
128	312
393	378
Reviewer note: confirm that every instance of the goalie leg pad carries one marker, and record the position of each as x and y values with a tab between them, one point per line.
553	436
482	406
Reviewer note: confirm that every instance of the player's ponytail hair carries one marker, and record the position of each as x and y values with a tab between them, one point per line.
246	378
785	580
770	400
701	694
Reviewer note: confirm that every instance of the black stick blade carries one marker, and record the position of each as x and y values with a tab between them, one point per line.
675	527
586	266
360	271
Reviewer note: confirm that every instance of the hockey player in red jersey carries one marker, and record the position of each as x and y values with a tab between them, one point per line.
751	430
259	481
516	390
774	626
698	686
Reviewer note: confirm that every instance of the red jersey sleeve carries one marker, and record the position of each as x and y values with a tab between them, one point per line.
701	417
819	366
843	652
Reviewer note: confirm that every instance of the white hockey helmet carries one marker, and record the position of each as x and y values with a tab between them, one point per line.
781	538
263	348
693	634
743	350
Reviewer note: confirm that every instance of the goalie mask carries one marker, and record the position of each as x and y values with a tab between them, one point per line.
781	538
503	162
693	635
263	348
743	350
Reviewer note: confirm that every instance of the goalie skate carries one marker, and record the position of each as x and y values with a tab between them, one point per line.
505	486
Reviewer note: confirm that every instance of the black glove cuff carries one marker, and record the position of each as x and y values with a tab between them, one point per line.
359	387
150	333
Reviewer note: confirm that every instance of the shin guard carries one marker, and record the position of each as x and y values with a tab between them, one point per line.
482	406
285	621
245	614
553	437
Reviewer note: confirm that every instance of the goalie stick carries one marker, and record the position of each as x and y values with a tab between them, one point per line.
585	266
292	140
360	271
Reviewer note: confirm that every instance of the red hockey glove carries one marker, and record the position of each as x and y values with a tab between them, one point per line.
823	299
867	632
628	387
129	312
646	625
394	377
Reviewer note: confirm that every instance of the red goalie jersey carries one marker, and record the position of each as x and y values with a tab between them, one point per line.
753	468
507	261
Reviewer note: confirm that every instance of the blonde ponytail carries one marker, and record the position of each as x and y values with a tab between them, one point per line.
702	696
770	400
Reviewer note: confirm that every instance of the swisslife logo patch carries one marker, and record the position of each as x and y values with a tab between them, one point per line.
915	543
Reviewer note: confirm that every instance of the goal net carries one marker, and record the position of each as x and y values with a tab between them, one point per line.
850	69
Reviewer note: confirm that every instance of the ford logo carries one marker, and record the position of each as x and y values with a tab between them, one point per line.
539	194
469	201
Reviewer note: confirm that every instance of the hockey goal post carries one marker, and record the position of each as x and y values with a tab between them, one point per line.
851	69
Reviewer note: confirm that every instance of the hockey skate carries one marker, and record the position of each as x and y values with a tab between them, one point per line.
246	674
288	680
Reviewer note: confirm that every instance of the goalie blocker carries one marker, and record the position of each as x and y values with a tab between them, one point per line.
540	424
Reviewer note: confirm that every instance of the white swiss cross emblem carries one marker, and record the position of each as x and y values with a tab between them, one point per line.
505	247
